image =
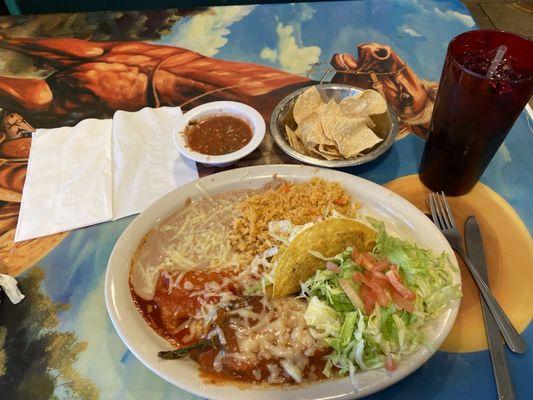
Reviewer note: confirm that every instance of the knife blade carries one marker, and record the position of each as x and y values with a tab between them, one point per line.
474	246
476	253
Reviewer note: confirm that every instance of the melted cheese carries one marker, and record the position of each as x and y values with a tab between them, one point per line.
278	334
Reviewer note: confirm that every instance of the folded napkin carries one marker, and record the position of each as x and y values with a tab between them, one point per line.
100	170
146	164
68	181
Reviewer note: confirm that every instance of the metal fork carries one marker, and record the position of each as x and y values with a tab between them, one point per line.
443	218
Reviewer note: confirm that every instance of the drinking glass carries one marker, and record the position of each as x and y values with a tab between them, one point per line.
473	111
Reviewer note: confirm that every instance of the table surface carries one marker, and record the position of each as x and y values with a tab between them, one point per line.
59	342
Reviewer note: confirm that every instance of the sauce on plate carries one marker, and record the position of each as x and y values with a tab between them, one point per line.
216	135
175	305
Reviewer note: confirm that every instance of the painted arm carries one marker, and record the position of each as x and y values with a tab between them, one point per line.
25	94
55	51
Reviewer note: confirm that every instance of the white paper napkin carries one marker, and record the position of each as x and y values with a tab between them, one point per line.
100	170
146	164
68	181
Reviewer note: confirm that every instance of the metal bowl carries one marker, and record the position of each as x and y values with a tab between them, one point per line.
282	116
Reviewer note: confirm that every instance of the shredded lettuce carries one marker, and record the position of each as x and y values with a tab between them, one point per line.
363	341
322	317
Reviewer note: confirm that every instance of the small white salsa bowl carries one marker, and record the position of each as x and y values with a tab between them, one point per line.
232	108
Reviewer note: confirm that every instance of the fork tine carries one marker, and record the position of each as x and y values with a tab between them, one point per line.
434	213
445	215
432	209
441	212
448	211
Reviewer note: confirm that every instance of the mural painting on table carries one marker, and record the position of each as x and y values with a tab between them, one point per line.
57	70
95	79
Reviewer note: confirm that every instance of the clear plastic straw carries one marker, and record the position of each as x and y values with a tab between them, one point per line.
497	60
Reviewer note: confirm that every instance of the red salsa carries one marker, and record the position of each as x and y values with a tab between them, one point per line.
218	134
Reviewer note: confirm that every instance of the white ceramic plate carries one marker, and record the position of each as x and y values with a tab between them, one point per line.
244	111
400	217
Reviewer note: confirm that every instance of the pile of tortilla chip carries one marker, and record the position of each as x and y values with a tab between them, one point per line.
332	130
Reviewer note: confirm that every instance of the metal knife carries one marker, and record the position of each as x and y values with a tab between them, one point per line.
502	375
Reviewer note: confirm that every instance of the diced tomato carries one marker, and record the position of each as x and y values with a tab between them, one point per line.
357	257
377	275
379	278
402	303
381	295
369	261
382	265
390	364
368	298
379	292
285	187
357	276
376	284
396	281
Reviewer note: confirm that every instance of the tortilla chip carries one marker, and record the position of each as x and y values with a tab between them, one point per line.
352	106
368	102
356	107
306	103
328	152
375	101
318	152
329	237
331	150
370	123
329	116
353	136
294	141
311	132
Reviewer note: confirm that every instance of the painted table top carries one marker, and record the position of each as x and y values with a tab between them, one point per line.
59	342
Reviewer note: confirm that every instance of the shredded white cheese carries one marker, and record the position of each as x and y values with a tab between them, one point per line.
279	333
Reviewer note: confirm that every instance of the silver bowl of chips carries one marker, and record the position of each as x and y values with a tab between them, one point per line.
334	125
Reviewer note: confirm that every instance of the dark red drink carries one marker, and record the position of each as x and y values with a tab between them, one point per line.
474	113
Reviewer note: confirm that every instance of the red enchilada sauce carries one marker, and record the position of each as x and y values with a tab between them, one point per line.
176	299
174	303
218	134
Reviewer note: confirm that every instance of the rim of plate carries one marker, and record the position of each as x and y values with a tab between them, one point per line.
250	114
144	343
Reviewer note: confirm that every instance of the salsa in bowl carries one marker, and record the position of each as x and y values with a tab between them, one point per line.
219	133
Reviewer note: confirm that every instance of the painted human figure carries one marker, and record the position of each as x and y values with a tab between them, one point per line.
94	79
379	67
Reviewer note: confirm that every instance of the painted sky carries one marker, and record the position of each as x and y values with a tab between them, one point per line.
286	36
290	37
